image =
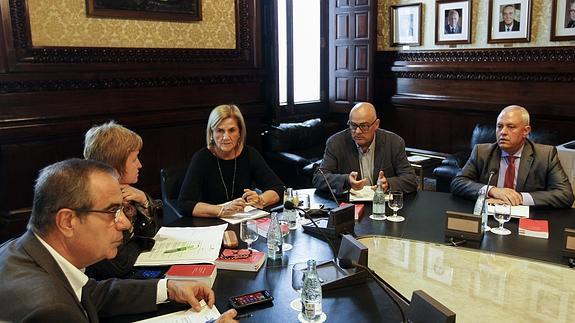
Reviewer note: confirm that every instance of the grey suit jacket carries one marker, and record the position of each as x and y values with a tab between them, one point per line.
341	158
540	174
33	288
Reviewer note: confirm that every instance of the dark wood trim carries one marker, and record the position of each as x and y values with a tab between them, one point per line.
25	57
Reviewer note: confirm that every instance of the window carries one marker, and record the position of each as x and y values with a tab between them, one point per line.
300	52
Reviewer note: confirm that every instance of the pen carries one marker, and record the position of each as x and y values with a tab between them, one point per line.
243	316
176	249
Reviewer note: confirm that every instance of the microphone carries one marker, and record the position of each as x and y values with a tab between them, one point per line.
491	173
290	206
348	264
328	185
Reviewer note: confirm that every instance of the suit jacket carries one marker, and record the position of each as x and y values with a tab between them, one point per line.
514	28
341	158
540	174
33	288
456	31
571	24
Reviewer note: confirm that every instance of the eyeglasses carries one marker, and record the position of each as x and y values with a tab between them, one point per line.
231	254
115	212
364	127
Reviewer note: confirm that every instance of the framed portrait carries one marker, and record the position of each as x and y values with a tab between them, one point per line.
563	20
406	24
452	22
167	10
509	21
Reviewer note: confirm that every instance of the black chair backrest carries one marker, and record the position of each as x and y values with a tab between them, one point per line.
171	179
483	133
295	136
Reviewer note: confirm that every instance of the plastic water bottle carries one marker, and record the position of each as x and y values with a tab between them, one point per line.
290	215
477	211
275	240
378	207
311	293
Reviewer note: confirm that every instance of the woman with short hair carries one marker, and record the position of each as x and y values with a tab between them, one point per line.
119	147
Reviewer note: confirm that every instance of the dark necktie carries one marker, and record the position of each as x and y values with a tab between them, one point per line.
86	301
510	172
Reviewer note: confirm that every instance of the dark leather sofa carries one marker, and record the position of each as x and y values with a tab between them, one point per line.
293	149
482	133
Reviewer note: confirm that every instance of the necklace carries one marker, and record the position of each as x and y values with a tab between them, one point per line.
222	177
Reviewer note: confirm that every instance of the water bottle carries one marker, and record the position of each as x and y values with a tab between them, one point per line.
290	215
311	294
378	207
477	211
275	239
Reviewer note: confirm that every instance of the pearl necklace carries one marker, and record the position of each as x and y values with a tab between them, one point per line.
222	177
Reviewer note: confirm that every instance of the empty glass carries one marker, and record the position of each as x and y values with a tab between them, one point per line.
395	203
249	232
297	275
284	228
501	213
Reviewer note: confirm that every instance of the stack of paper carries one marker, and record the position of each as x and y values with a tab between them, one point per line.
190	245
205	315
249	213
517	211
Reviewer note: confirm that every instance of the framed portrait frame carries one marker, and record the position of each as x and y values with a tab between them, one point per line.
453	22
509	21
165	10
563	20
405	22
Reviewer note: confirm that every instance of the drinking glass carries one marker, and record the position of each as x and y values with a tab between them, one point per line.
395	203
249	232
284	228
297	275
502	213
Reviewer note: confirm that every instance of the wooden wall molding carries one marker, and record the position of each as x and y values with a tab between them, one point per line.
486	76
506	55
61	84
25	53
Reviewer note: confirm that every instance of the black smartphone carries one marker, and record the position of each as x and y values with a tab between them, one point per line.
259	297
147	273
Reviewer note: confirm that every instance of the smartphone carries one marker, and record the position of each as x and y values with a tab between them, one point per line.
147	273
259	297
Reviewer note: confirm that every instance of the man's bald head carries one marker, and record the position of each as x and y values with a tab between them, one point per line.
363	109
363	115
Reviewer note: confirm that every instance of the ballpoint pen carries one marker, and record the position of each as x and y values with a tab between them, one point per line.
238	317
177	249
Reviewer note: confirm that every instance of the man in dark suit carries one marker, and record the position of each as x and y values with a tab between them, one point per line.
524	172
453	25
77	220
509	23
363	155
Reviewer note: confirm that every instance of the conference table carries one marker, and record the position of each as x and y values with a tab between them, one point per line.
502	274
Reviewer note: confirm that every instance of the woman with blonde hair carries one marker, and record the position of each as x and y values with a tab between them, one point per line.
227	170
119	147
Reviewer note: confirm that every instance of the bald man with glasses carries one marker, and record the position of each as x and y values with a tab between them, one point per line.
363	154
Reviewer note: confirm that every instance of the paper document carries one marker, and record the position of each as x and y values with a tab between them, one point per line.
184	246
416	158
517	211
187	316
365	194
249	213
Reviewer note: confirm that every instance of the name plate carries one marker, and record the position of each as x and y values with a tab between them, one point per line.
569	243
463	226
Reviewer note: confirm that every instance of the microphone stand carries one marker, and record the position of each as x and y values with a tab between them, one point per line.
290	206
346	263
491	173
328	185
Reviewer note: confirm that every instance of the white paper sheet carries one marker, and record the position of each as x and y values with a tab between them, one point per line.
187	316
365	194
517	211
416	158
200	244
250	213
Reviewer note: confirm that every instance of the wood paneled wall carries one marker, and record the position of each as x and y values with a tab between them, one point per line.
433	99
49	97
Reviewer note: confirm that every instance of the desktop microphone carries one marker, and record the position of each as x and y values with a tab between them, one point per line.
328	185
491	173
289	205
348	264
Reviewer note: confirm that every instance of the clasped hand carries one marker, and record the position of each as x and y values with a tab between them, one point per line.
506	195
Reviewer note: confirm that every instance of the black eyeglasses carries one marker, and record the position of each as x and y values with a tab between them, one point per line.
115	212
364	127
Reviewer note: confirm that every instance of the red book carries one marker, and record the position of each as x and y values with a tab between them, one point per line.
203	273
253	263
534	228
358	209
